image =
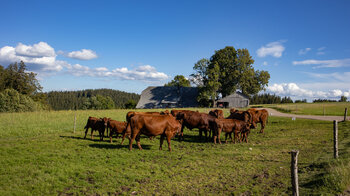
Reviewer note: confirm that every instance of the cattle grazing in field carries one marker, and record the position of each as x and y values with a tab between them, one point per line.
259	116
217	113
153	125
230	126
116	127
98	124
204	122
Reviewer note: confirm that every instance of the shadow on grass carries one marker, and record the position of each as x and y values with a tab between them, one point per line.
96	139
119	146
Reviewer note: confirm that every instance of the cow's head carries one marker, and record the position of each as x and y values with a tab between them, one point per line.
105	121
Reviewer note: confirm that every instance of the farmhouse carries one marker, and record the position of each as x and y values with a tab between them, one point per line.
235	100
168	97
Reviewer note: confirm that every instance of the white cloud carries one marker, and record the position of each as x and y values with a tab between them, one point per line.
274	49
41	49
295	92
41	56
265	63
304	51
324	63
84	54
143	73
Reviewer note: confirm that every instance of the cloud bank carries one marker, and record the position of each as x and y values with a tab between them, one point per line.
294	91
41	58
274	49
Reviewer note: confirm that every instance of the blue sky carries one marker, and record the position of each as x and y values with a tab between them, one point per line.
129	45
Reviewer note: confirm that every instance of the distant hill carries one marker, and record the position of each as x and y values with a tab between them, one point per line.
70	100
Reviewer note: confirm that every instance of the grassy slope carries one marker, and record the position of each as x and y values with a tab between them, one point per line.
328	109
39	154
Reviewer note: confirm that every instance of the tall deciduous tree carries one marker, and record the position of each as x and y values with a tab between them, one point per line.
179	81
16	77
233	70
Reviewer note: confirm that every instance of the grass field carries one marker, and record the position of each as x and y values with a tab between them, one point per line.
40	155
328	109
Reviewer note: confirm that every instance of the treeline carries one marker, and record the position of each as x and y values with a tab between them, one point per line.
91	99
342	99
268	98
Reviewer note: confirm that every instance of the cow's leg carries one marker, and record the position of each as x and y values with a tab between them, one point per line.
87	129
138	141
181	135
262	126
226	134
92	136
219	134
101	133
161	141
111	136
168	137
133	136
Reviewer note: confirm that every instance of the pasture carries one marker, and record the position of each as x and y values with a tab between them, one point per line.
40	155
327	109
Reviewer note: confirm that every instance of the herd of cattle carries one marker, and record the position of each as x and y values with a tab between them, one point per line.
168	125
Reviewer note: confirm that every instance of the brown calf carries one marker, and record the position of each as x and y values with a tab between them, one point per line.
259	116
116	127
230	126
98	124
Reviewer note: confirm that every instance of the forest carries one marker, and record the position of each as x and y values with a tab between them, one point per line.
91	99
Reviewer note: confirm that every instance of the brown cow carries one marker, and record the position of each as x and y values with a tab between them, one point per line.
153	125
116	127
175	114
241	115
259	116
230	126
98	124
204	122
130	114
217	113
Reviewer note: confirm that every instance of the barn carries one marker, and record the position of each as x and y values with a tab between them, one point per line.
235	100
168	97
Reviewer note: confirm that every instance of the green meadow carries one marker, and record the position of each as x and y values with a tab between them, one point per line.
41	155
327	109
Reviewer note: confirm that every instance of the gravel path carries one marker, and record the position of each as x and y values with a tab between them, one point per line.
273	112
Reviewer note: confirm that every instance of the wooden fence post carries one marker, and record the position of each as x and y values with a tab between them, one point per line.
335	138
345	114
294	172
75	120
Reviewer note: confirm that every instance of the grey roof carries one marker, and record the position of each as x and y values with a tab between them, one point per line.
233	96
168	96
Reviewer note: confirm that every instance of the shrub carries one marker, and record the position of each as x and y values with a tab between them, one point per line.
12	101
